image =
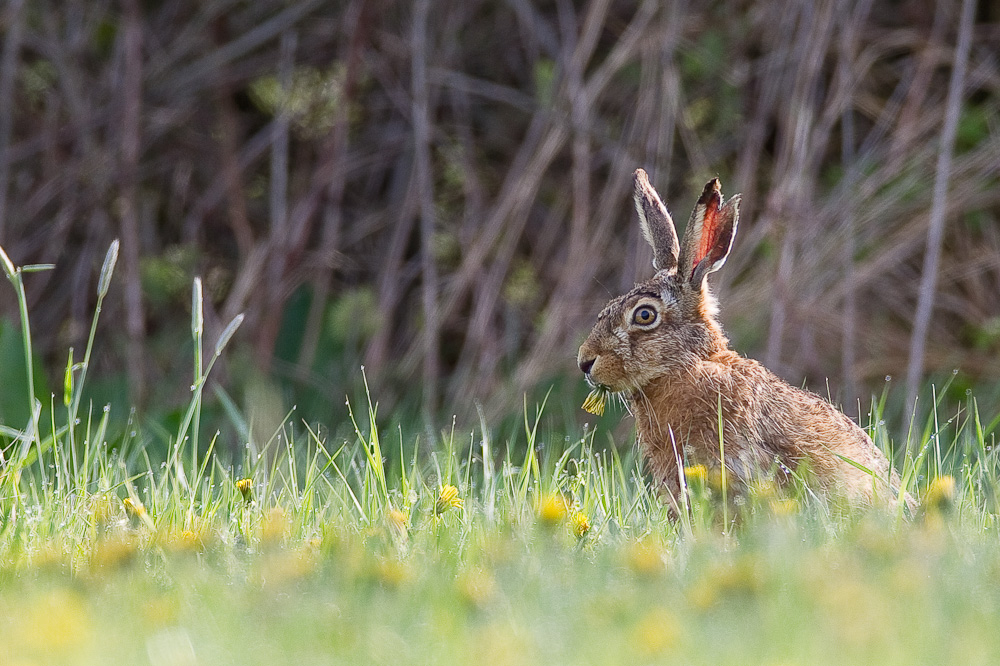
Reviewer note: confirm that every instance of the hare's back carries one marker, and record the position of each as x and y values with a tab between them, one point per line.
811	429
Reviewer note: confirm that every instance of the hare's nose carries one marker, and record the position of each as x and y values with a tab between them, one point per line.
586	364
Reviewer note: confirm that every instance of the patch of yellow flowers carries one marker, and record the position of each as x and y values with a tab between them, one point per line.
553	510
940	493
447	499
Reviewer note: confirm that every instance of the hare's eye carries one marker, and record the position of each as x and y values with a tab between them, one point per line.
644	316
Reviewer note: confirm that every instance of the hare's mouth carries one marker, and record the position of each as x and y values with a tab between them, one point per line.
606	388
599	397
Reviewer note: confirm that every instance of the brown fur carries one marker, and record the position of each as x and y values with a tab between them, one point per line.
677	373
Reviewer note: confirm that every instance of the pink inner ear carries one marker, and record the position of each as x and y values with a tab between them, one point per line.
709	230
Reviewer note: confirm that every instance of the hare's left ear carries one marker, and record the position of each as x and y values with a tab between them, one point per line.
657	227
709	234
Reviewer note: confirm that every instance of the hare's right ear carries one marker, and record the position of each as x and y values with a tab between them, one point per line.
709	234
657	227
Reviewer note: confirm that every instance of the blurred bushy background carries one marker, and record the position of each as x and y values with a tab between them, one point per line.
440	190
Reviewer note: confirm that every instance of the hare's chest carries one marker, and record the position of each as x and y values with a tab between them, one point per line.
687	432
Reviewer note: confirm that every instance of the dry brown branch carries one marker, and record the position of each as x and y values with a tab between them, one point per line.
334	177
278	237
14	26
131	142
424	184
939	205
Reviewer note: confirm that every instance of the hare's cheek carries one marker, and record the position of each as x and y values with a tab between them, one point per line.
645	354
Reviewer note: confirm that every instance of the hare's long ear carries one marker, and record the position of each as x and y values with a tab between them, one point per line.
657	227
709	234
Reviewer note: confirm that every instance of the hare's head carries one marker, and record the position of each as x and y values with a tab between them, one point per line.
664	325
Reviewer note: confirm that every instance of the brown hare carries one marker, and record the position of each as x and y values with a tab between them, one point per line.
661	347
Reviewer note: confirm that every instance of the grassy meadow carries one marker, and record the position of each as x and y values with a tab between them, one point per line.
468	546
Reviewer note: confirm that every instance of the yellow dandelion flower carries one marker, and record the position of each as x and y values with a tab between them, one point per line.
136	512
506	643
188	540
703	594
281	567
477	588
596	400
245	486
552	509
447	499
645	558
696	475
134	508
392	572
57	624
580	524
114	552
398	523
656	632
715	478
739	578
275	526
195	538
763	489
940	494
783	507
160	611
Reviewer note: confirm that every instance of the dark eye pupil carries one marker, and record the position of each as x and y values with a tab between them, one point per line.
644	315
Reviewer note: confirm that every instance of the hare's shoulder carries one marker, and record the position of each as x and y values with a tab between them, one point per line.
736	375
750	379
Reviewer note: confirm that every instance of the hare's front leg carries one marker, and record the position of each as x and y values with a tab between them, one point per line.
670	492
666	471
